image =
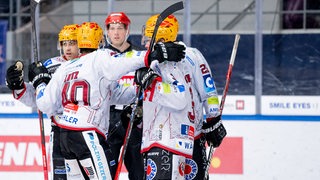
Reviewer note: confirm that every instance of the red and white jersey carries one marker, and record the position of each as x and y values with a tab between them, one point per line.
127	80
204	92
27	95
166	103
82	90
171	128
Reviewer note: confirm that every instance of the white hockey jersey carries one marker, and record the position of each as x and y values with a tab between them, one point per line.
82	89
204	90
165	124
27	95
128	79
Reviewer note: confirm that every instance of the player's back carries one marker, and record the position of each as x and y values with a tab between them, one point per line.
202	85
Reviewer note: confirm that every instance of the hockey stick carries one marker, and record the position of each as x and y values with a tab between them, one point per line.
224	95
34	4
164	14
228	77
128	133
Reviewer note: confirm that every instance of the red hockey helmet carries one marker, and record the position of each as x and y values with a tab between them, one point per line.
118	17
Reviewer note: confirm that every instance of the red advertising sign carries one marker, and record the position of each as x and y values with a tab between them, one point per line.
23	154
228	158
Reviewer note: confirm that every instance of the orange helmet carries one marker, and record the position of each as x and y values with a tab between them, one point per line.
168	29
90	35
118	17
68	32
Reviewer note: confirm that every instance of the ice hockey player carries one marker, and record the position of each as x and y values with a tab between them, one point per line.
164	129
117	33
82	90
25	92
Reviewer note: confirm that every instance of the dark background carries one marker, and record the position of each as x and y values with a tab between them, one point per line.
291	62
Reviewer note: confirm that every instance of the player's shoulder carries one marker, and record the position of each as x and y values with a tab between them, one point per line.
105	51
191	55
53	63
95	56
192	51
194	54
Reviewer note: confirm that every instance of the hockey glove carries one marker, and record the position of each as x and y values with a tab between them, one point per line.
167	51
214	131
126	114
38	74
144	77
14	77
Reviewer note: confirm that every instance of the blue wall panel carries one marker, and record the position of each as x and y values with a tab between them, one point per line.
291	62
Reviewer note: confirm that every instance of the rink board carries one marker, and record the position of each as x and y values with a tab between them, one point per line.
257	147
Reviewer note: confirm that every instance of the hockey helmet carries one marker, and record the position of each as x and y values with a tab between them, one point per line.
118	17
68	32
90	35
168	29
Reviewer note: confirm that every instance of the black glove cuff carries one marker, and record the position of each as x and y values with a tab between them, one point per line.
211	124
40	78
147	79
212	128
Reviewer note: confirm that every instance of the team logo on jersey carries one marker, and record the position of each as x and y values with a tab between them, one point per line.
113	53
151	169
40	90
47	63
129	54
179	86
208	83
191	169
119	55
184	144
187	130
213	100
127	80
181	168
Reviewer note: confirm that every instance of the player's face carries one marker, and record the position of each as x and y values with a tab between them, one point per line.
70	49
117	34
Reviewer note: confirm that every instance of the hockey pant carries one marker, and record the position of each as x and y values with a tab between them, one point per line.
58	170
133	159
162	164
195	167
91	151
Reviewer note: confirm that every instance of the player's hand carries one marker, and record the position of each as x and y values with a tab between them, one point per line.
168	51
144	77
214	131
38	74
14	77
126	114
